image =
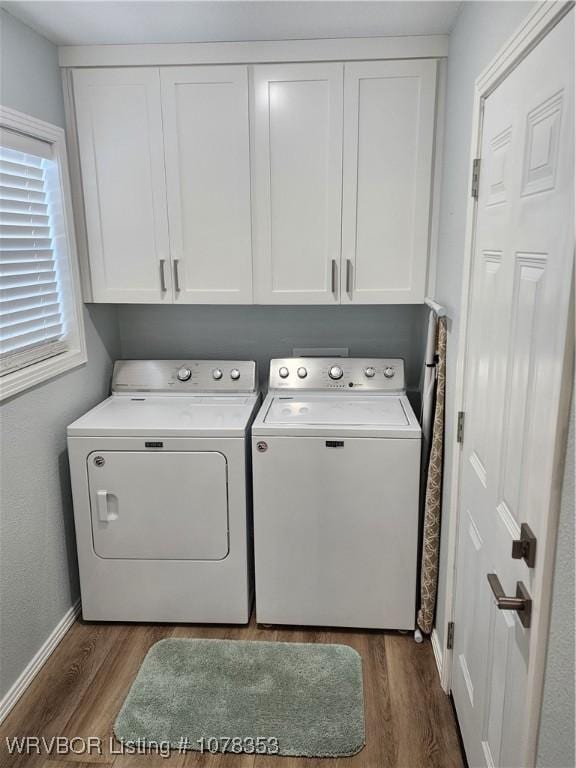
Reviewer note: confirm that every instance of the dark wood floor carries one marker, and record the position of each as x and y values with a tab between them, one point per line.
409	720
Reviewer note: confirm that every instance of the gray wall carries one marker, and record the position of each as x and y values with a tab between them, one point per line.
259	333
38	574
480	30
556	742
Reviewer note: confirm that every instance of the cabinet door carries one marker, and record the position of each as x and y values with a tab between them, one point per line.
207	149
388	149
119	125
298	182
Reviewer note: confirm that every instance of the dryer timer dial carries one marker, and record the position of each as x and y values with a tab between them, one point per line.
335	372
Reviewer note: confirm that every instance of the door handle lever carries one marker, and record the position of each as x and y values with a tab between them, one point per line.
521	603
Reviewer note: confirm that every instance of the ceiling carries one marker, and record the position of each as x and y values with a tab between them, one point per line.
79	22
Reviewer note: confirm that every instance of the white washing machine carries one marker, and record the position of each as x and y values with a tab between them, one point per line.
336	457
161	498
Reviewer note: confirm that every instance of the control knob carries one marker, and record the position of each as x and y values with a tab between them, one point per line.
389	372
184	374
335	372
370	372
302	372
217	374
283	372
234	374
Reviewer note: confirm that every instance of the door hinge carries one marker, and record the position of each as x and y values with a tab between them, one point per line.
460	427
450	636
475	177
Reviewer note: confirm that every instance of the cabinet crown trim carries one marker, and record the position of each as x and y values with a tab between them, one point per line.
274	51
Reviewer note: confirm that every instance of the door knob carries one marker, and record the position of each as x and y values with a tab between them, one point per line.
525	546
521	603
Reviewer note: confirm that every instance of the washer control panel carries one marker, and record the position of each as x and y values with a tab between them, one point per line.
341	373
184	376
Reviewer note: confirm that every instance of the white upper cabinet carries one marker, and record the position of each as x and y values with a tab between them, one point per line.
207	150
120	143
302	183
388	150
297	167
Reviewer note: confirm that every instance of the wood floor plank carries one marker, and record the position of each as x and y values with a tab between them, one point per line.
175	760
54	763
58	688
198	760
96	714
409	719
421	709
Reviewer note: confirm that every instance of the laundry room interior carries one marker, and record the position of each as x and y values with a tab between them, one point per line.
286	383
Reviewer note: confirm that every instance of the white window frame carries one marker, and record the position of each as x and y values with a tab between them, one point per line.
70	293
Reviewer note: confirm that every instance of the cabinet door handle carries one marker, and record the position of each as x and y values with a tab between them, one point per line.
163	275
334	277
349	277
176	277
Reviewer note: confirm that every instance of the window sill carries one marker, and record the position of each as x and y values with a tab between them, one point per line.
19	381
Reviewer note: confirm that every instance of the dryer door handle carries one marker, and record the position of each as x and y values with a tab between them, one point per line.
102	504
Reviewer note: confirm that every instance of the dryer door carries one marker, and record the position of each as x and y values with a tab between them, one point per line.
154	506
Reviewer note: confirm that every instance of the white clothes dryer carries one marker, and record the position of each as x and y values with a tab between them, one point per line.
161	499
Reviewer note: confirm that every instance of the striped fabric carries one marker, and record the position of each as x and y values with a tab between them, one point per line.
433	501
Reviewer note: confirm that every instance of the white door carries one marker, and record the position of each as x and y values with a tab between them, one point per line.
298	182
159	505
388	148
119	124
207	149
520	295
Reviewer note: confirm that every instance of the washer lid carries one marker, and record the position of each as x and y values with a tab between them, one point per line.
167	415
336	416
382	411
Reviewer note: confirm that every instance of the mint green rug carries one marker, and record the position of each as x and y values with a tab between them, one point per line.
300	699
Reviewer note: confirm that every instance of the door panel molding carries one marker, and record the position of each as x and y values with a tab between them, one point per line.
387	180
121	160
207	155
297	178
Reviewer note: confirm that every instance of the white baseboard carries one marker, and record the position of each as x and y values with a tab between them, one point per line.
435	640
39	659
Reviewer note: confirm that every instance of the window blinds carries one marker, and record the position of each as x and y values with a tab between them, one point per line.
31	322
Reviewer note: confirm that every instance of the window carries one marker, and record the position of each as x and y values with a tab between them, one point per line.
41	330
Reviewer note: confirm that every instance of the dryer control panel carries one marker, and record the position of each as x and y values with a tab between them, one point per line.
184	376
338	374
